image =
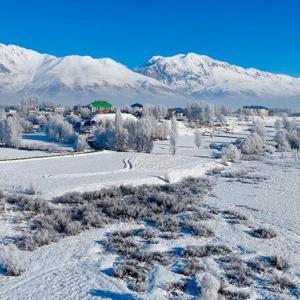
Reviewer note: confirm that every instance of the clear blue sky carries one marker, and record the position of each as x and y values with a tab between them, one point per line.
263	34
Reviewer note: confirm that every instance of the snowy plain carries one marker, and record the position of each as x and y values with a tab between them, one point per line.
79	268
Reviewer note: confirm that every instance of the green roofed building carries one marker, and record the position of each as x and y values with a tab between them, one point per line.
101	107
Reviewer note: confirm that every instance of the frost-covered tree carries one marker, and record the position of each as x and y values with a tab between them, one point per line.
80	143
197	138
222	119
121	133
36	119
141	140
26	125
231	153
278	124
200	112
259	128
58	129
74	120
10	131
253	144
84	111
105	138
173	135
281	140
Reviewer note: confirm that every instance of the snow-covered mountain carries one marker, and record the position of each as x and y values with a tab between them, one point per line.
172	80
74	79
202	76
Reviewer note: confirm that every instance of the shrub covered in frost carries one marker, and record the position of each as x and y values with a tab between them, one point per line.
231	153
206	250
152	258
190	266
278	262
177	289
122	246
263	233
131	271
236	294
198	229
12	260
280	282
237	272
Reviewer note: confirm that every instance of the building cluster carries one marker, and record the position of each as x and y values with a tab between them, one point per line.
255	110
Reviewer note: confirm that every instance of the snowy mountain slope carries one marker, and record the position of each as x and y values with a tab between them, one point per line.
18	67
200	75
73	78
170	80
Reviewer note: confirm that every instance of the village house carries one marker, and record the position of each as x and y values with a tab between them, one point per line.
101	107
137	107
256	110
178	112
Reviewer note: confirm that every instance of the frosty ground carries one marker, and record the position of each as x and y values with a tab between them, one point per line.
79	267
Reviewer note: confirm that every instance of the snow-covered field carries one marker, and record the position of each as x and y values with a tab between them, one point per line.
79	267
51	176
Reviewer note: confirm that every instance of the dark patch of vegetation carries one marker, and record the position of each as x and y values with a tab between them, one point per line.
263	233
236	271
190	267
233	294
132	272
74	212
177	289
206	250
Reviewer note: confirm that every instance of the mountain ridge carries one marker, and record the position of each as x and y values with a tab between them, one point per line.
171	80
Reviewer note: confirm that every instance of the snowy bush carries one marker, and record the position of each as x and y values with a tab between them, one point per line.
12	260
263	233
206	250
237	272
123	246
281	282
80	143
190	267
152	258
253	144
278	262
227	292
198	229
176	289
133	273
231	153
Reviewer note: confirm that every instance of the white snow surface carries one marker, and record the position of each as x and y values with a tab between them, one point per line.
78	268
111	117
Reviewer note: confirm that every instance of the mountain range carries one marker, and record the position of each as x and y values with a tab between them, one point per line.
170	80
